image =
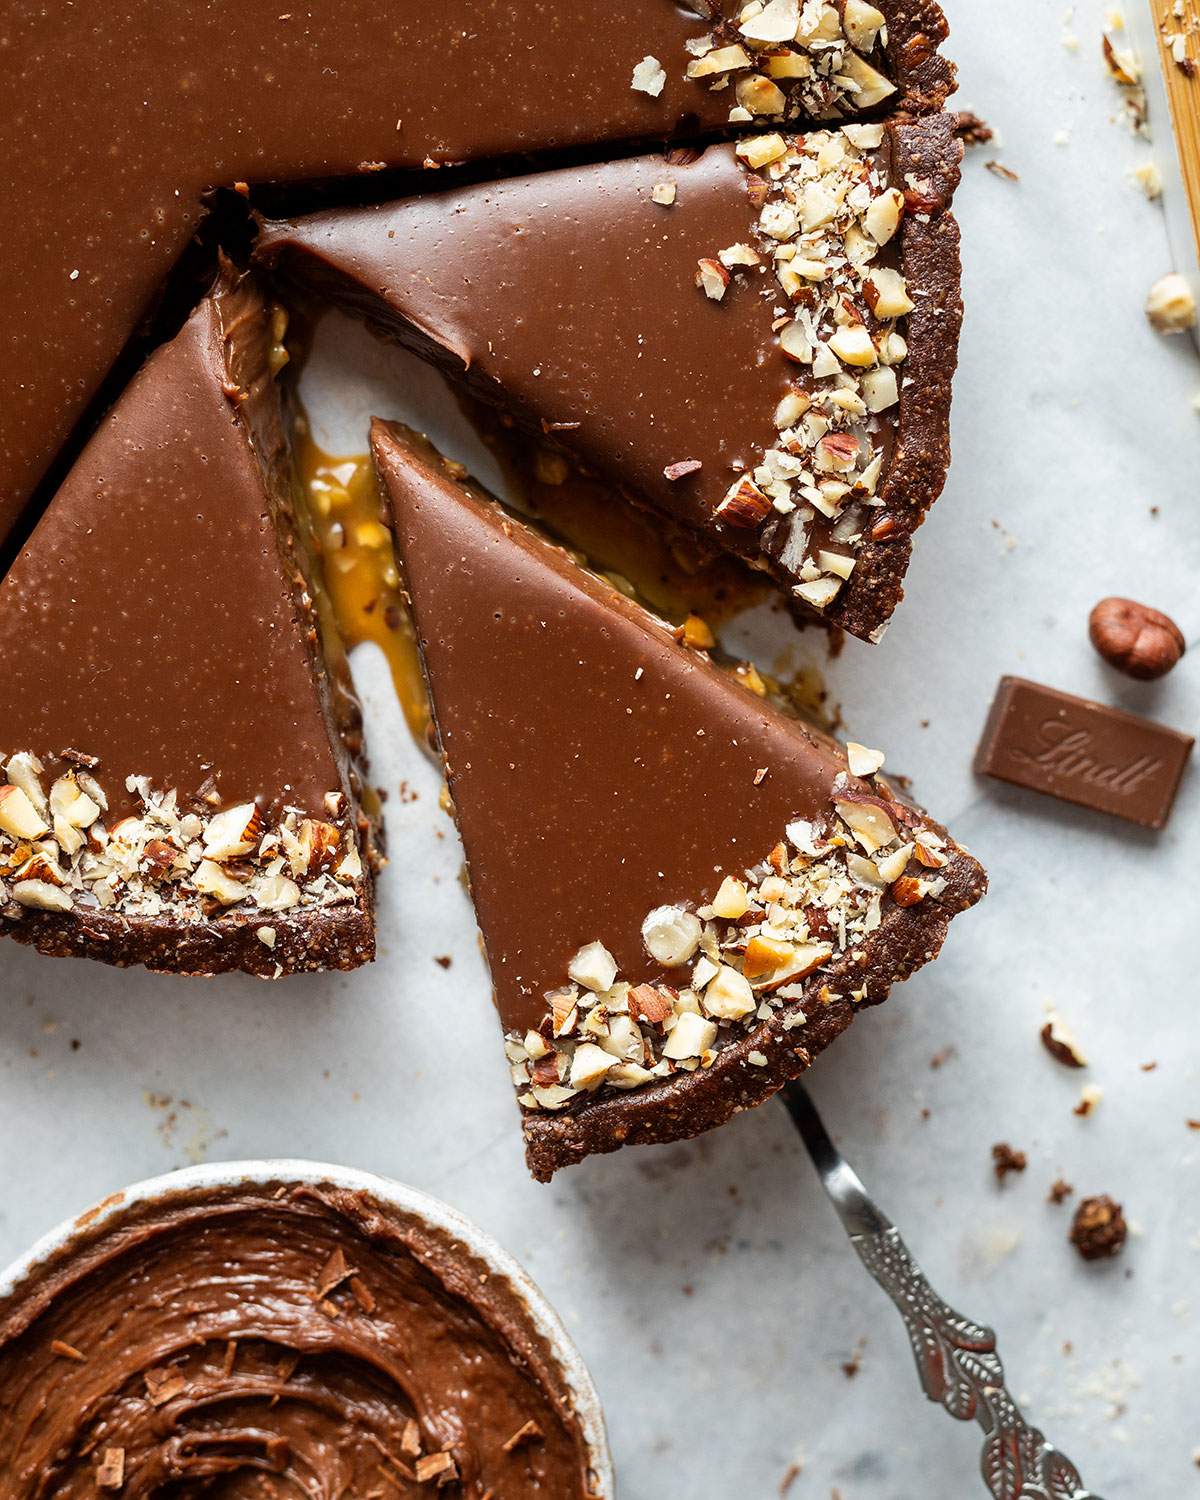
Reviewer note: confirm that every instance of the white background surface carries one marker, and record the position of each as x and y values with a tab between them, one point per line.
707	1284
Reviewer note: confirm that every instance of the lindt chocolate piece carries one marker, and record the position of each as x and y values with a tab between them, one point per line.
145	115
1082	752
765	359
178	767
684	893
205	1350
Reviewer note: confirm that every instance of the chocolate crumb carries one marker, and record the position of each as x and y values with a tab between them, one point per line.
791	1474
1000	170
1005	1160
1060	1191
444	960
1098	1230
971	130
941	1058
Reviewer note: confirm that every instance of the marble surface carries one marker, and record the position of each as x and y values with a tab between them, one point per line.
708	1284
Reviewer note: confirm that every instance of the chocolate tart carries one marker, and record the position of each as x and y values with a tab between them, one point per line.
684	893
757	343
113	134
181	764
268	1337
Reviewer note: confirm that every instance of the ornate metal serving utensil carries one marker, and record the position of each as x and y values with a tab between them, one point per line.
956	1358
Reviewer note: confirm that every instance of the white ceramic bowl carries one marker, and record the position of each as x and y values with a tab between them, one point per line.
440	1216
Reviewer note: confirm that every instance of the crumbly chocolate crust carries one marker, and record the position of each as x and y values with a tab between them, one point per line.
338	937
926	150
689	1104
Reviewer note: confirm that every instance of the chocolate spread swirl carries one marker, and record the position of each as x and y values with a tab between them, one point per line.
278	1343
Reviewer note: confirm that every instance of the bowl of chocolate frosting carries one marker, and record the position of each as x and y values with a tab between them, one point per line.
283	1328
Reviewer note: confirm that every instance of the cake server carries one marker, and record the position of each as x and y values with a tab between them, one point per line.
956	1357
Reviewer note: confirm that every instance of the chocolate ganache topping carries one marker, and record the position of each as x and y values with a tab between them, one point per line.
278	1341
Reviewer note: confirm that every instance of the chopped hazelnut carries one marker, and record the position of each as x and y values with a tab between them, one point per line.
649	77
594	967
1171	304
671	935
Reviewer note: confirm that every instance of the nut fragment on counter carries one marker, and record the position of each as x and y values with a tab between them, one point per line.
737	961
826	212
1171	305
60	853
1060	1043
1141	642
1098	1230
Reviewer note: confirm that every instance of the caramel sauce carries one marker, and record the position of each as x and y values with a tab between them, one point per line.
354	551
640	553
670	574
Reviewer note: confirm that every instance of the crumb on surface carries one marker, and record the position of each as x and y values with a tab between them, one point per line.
1006	1159
1098	1230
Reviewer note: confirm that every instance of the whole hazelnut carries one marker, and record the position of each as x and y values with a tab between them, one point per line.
1137	640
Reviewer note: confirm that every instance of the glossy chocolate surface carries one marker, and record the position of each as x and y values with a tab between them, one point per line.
151	621
598	767
570	296
253	1342
117	119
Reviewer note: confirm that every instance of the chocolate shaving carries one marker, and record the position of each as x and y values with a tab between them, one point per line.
528	1432
111	1473
163	1385
363	1295
334	1272
1000	170
439	1466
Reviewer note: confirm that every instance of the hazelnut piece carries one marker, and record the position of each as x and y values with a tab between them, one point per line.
1135	639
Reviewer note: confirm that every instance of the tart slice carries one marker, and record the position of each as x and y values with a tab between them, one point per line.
757	343
684	894
181	767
